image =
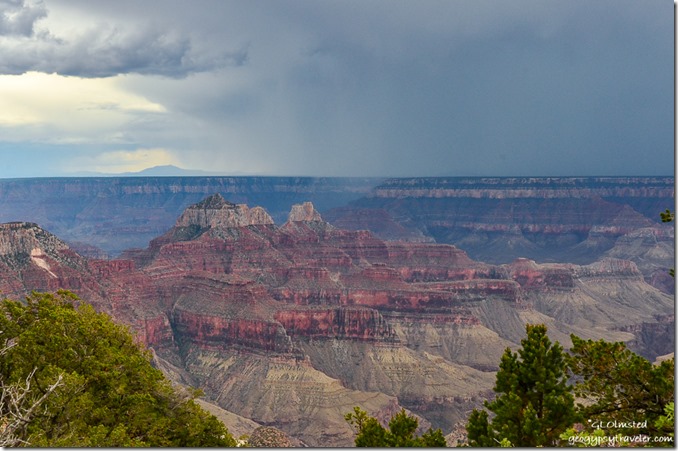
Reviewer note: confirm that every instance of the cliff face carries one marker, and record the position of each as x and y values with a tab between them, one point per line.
275	322
352	323
215	212
34	259
496	220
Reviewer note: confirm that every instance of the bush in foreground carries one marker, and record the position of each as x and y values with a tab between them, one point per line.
107	394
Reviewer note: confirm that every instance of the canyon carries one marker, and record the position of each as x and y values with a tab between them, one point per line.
292	325
548	219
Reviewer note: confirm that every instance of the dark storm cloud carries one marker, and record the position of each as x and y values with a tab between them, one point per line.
103	50
379	87
572	88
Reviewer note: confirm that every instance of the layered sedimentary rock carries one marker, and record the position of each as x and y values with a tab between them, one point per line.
216	212
304	213
353	323
284	392
293	325
548	219
119	213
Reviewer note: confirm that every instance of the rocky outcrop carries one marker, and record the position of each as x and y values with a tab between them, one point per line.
156	332
655	338
280	391
213	332
531	276
22	243
269	437
32	259
652	250
216	212
304	213
609	267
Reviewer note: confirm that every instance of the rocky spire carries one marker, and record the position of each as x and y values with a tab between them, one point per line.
305	212
213	202
216	212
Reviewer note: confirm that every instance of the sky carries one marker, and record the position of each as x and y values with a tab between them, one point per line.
384	88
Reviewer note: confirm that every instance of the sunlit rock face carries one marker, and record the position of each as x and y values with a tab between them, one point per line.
304	213
216	212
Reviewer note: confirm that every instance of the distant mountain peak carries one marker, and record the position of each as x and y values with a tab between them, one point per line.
163	170
167	170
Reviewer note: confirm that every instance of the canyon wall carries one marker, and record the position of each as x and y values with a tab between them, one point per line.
117	213
547	219
292	325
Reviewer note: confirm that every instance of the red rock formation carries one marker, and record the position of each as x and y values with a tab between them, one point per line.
156	332
304	213
309	286
507	290
105	268
531	276
355	323
214	332
215	212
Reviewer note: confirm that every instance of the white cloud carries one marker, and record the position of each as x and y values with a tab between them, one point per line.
52	108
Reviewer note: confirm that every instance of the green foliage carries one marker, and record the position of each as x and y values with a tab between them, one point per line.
400	433
602	436
623	391
110	394
668	216
666	422
534	404
585	439
505	443
626	400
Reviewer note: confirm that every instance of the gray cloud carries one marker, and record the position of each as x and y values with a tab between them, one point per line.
395	87
103	50
17	18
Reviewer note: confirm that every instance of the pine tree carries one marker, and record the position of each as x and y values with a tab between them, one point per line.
94	385
534	404
622	388
669	216
400	433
